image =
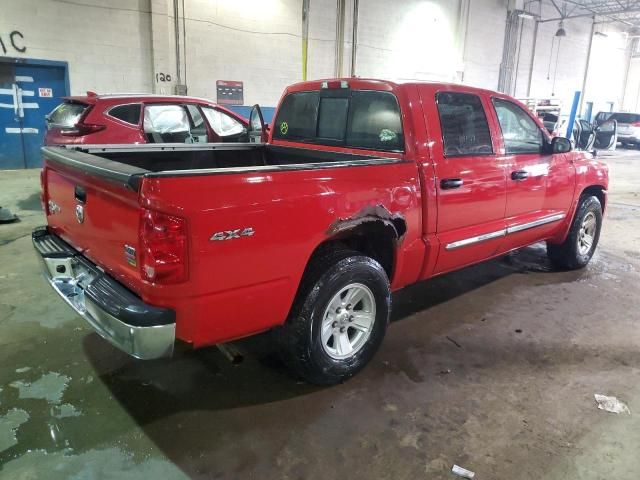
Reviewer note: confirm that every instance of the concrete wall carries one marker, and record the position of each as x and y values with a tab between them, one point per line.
632	91
126	45
484	41
108	48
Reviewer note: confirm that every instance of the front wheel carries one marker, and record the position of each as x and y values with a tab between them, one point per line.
338	319
581	242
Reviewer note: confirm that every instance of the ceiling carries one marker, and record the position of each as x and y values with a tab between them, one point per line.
624	12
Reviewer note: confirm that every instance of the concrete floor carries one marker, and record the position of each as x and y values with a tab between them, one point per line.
514	399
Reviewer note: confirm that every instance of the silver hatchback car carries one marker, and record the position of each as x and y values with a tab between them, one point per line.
628	127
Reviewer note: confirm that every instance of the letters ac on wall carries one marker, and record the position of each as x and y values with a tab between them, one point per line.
13	41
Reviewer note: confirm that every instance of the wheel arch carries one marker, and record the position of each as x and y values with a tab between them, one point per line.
598	191
374	232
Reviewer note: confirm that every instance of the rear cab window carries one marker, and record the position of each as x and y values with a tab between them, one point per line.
67	114
362	119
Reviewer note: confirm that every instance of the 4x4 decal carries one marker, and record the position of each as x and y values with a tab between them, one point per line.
231	234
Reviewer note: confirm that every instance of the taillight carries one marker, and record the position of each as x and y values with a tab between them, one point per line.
163	247
80	129
43	193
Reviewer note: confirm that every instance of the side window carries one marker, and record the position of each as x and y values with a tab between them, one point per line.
374	121
465	130
127	113
198	129
521	134
296	119
167	124
332	118
221	123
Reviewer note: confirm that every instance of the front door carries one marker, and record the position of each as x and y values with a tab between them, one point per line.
27	94
470	181
607	135
539	184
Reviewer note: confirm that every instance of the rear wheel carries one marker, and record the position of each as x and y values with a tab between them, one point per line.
581	242
339	317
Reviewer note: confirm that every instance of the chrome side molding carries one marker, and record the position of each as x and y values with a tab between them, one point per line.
478	239
535	223
501	233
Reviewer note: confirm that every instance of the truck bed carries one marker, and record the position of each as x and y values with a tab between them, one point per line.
126	164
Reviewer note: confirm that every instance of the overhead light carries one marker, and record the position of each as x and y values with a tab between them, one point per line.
561	31
600	34
527	15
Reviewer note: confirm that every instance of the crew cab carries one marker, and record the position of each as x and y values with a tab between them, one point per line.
364	187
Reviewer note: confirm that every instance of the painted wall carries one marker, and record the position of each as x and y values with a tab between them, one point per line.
126	45
632	92
108	48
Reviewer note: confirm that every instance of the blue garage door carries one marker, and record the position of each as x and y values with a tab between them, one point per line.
27	93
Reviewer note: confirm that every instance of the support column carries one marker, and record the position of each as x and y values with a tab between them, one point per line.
164	75
340	13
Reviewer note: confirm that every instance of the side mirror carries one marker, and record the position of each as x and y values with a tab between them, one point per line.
256	125
560	145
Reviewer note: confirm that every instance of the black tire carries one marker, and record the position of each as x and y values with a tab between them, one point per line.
299	338
567	255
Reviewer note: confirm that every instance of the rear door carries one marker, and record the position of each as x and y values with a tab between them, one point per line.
470	179
539	184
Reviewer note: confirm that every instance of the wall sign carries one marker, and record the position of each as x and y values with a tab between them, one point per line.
163	77
45	92
230	92
15	40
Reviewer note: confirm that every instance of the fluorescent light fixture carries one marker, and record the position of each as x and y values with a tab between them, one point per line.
527	15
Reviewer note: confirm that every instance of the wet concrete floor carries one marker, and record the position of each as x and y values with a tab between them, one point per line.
493	368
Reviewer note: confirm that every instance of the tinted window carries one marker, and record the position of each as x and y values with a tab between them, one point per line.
126	113
297	115
67	114
521	134
465	130
221	123
374	121
332	118
625	117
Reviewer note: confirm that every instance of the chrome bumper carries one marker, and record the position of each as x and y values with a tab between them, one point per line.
141	330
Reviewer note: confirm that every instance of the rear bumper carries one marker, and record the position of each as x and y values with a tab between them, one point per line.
141	330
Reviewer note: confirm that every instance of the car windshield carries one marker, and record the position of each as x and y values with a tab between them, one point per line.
625	117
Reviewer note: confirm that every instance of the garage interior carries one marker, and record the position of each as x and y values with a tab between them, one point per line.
493	367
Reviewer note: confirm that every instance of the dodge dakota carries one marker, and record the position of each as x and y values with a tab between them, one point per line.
363	187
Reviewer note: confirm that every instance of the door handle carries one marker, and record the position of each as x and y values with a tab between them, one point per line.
450	183
80	194
519	175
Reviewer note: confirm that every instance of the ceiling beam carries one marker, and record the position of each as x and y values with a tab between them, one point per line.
593	10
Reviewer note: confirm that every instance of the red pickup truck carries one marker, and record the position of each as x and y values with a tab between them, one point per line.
364	187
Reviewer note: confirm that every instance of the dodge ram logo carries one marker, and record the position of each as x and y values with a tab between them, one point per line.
80	213
231	234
